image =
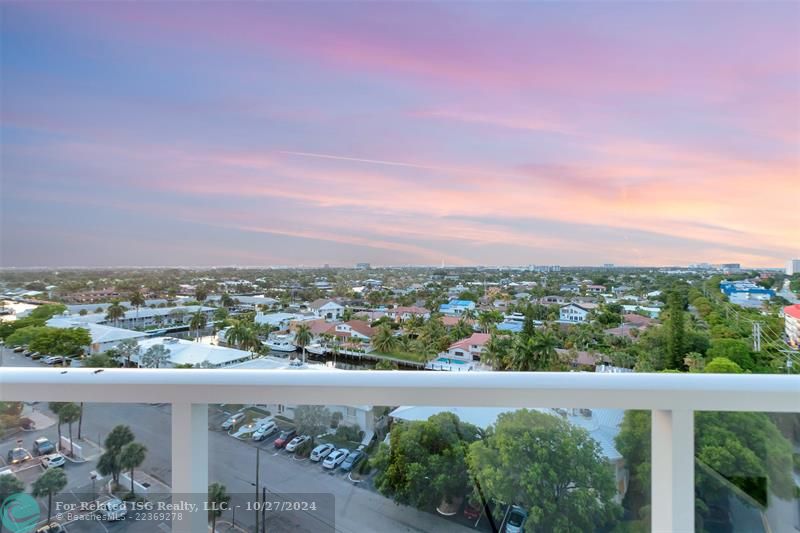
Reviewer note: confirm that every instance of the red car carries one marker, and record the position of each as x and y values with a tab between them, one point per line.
284	438
472	511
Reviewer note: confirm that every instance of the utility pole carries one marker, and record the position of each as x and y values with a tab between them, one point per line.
258	460
756	336
264	509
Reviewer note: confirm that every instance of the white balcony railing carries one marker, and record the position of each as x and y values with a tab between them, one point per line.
671	397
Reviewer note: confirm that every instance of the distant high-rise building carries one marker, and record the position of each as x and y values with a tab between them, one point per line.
793	267
608	265
362	266
544	268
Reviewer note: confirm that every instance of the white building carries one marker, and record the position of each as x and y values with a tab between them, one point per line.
468	349
791	318
281	320
327	309
793	267
362	416
457	307
147	317
182	352
355	329
576	312
103	337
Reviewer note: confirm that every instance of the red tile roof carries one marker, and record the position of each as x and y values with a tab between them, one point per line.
792	310
361	327
476	338
639	320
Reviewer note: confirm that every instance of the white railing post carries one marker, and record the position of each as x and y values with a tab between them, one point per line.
190	464
672	471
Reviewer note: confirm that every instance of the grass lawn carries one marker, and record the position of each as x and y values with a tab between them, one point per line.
339	443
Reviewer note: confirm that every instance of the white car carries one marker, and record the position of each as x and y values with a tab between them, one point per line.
113	509
53	461
245	431
233	421
264	430
297	442
335	458
321	452
53	359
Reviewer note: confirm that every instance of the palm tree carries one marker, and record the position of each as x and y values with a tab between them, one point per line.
237	333
137	300
68	414
197	323
56	407
302	338
543	346
51	482
226	300
523	358
155	356
115	311
487	319
217	497
384	340
200	293
132	456
127	349
496	352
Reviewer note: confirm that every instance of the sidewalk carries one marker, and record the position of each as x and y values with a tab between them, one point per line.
40	420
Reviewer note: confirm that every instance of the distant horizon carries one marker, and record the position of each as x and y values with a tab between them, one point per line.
309	133
374	266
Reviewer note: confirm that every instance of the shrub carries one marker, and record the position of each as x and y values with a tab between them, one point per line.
351	433
304	450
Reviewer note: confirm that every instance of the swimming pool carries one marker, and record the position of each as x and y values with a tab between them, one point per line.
450	361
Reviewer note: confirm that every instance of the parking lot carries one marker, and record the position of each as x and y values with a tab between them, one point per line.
357	508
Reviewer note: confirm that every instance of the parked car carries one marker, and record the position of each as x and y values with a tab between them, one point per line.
352	459
233	421
297	442
264	430
284	438
472	510
515	523
54	461
27	353
19	349
245	431
17	455
335	458
321	452
113	509
36	355
53	359
43	446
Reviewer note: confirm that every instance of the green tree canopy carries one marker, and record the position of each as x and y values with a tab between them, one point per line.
736	350
722	365
553	469
312	420
425	462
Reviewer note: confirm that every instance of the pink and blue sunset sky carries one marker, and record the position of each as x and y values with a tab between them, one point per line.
471	133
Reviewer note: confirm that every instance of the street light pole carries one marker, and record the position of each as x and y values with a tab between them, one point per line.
258	459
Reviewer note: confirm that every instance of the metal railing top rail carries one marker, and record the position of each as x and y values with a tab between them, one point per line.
668	391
